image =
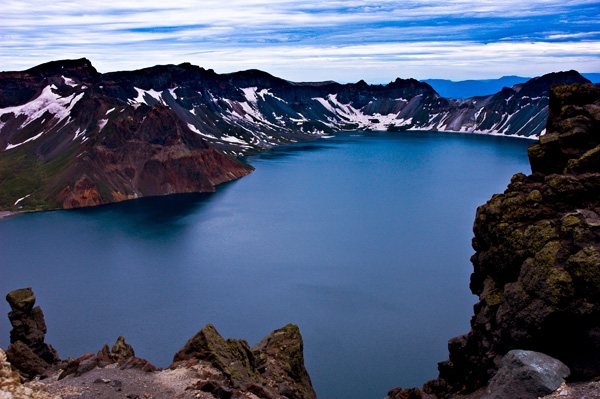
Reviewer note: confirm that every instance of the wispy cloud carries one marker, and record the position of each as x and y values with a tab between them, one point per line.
346	40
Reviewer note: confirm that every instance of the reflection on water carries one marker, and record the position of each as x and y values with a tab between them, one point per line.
364	242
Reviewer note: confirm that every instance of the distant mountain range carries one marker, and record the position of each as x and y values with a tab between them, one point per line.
472	88
70	136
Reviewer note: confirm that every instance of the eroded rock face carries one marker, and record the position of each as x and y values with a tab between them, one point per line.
280	358
145	151
27	351
274	368
537	260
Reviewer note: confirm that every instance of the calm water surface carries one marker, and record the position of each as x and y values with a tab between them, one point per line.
363	240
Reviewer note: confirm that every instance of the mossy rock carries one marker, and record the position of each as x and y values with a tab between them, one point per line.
584	267
21	300
588	162
534	196
537	236
575	229
544	276
234	358
493	295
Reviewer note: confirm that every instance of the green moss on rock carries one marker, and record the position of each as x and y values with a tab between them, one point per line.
545	277
537	236
584	266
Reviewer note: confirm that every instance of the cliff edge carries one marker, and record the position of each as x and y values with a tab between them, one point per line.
537	260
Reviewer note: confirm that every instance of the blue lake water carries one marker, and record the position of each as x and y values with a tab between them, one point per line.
363	240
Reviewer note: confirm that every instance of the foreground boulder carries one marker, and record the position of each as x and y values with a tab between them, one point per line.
27	351
526	375
274	368
537	260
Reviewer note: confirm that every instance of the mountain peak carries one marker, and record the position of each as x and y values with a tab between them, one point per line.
81	68
257	78
540	86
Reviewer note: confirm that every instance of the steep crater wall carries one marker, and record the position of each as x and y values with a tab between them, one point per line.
537	260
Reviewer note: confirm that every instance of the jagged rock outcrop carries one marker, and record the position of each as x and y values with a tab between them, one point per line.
273	368
27	351
121	354
537	260
207	364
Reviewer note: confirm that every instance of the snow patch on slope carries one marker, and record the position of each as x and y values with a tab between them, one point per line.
101	124
197	131
47	101
157	95
69	81
250	94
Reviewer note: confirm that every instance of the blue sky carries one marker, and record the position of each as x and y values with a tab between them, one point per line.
312	40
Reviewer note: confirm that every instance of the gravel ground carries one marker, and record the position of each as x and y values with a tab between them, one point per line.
112	383
581	390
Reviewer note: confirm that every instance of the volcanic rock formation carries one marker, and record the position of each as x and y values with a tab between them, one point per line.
207	366
271	369
537	260
27	351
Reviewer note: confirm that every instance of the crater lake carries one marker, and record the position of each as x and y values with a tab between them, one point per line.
363	240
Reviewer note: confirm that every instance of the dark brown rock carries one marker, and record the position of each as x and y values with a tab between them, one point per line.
136	363
234	358
537	260
272	368
23	359
261	391
21	300
218	390
79	366
29	353
280	358
122	353
105	356
572	131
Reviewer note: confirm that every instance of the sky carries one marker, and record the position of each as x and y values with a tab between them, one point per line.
311	40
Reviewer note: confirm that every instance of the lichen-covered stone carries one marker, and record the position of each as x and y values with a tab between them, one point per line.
271	368
21	300
280	357
537	260
232	357
122	349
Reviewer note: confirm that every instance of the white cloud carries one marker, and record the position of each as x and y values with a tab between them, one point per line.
283	36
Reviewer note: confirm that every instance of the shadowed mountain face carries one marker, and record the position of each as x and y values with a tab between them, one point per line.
69	145
537	255
70	136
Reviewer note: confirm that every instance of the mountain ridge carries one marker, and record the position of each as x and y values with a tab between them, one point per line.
56	116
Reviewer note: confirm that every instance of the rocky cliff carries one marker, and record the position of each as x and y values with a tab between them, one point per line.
67	145
207	366
72	137
537	260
